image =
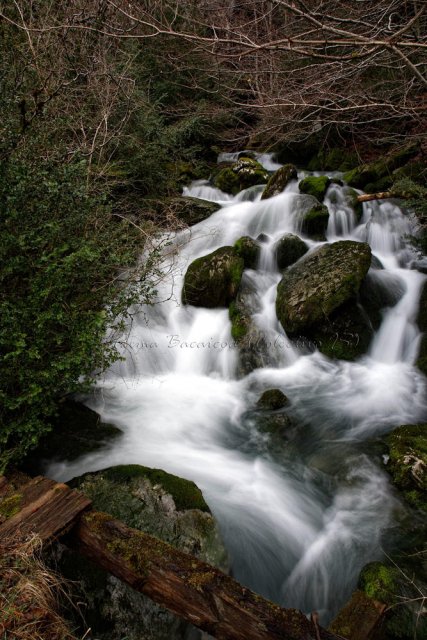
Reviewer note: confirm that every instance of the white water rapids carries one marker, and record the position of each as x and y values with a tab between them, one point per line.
299	520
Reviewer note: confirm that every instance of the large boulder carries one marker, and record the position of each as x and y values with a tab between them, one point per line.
317	285
315	186
158	503
289	249
279	180
315	222
213	280
242	174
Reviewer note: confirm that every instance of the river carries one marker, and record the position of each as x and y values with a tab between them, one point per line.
299	518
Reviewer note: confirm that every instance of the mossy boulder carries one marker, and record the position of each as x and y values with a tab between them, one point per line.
320	283
213	280
248	249
422	324
244	173
278	181
379	581
289	249
158	503
372	173
408	462
184	209
336	159
361	618
315	186
315	222
77	430
272	399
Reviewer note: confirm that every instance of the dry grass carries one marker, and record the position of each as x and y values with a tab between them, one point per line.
29	594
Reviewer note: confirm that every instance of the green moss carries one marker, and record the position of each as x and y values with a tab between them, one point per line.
10	506
380	582
228	181
185	493
213	280
289	249
315	222
370	174
248	249
337	159
408	462
239	322
315	186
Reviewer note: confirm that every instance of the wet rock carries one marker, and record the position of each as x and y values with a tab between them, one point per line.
360	619
263	237
289	249
279	180
351	198
242	174
184	208
315	222
158	503
315	186
213	280
408	462
380	290
77	430
422	324
248	249
317	285
272	399
345	335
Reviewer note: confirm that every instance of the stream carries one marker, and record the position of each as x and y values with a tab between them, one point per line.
301	517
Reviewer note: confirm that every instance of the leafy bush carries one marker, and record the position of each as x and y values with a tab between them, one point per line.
62	253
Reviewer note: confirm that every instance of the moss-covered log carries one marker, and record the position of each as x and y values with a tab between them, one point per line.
191	589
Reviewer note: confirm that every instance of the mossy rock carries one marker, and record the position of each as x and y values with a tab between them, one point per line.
184	208
314	287
240	322
371	173
272	399
415	170
351	197
382	184
408	462
213	280
315	186
242	174
336	159
345	335
167	507
77	430
315	222
288	250
185	493
249	250
278	181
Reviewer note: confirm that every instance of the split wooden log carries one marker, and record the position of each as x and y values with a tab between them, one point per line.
42	506
191	589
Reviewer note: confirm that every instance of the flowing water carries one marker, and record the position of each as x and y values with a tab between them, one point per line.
302	516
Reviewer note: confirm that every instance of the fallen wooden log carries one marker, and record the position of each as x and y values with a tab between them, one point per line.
382	195
191	589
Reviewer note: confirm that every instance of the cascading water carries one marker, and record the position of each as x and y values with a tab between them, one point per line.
299	519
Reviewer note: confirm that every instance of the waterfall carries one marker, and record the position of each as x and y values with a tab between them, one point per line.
301	518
